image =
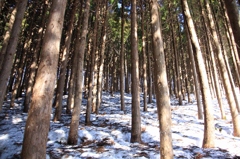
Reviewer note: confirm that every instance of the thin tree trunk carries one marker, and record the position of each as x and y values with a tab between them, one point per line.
122	55
144	57
136	116
209	131
80	50
149	75
161	85
38	121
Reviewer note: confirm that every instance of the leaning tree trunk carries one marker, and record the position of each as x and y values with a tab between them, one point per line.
80	51
161	85
38	121
233	14
11	49
209	134
224	73
136	116
64	62
35	58
215	74
7	35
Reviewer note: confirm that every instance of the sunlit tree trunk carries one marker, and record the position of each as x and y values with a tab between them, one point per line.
224	73
195	76
209	134
35	58
161	85
38	121
136	116
233	14
80	51
64	61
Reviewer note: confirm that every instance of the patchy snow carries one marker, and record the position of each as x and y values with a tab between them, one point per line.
110	133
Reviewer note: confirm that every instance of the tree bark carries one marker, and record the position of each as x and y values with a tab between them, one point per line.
136	117
6	36
144	57
38	121
11	49
233	14
224	73
66	49
209	134
101	66
80	50
161	85
122	59
92	68
35	58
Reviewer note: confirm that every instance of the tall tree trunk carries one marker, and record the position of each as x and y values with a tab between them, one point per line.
35	58
6	36
209	134
233	45
38	121
144	57
93	62
80	50
195	76
161	85
122	55
233	14
224	73
136	116
66	47
11	49
149	74
215	74
102	57
20	72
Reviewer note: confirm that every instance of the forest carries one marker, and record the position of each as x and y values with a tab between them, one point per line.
82	65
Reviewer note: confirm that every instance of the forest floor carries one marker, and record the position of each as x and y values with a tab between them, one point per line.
109	135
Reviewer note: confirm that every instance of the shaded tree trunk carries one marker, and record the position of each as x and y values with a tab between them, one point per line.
11	49
136	117
6	36
122	59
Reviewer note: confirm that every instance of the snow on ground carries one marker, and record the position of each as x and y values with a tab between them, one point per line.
110	133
